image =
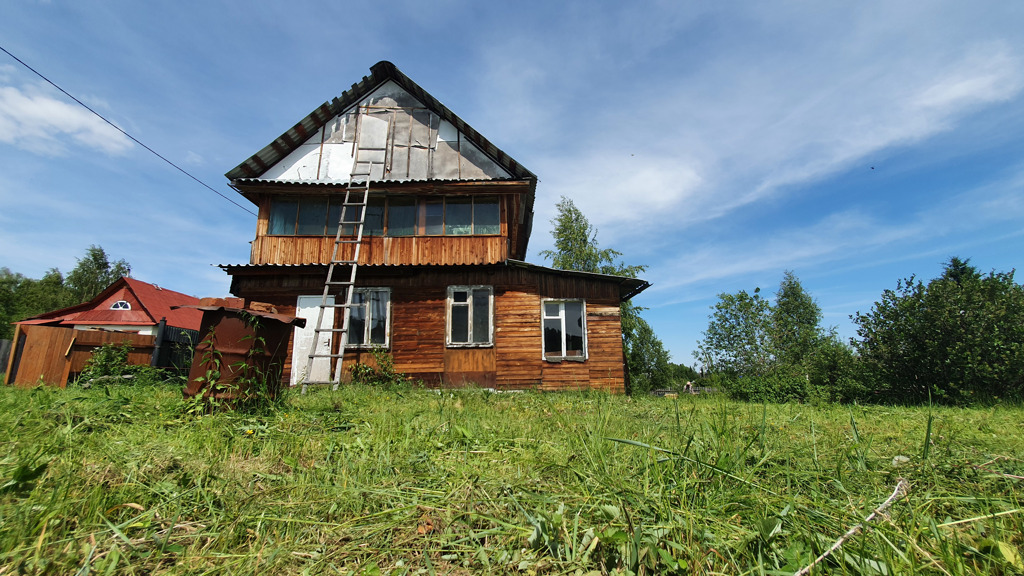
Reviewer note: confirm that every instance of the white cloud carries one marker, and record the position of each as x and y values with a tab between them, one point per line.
34	119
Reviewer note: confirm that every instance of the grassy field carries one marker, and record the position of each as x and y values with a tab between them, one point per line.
409	481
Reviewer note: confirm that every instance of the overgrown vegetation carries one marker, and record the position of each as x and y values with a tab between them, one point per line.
776	351
22	297
959	339
109	365
373	480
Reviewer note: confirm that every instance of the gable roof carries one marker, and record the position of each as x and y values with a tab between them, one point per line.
149	303
380	73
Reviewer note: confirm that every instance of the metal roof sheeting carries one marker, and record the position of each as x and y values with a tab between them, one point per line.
380	73
628	287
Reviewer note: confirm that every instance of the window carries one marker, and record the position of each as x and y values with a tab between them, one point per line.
392	216
470	309
121	305
565	330
370	317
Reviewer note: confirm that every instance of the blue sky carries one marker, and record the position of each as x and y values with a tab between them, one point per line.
718	143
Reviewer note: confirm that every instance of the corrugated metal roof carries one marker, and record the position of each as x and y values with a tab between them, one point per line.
628	287
261	181
149	303
380	73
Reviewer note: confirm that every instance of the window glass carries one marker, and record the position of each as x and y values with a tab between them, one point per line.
486	216
401	216
357	319
368	317
552	337
469	315
574	329
334	217
374	224
378	308
460	324
458	217
481	315
282	217
433	217
312	216
564	331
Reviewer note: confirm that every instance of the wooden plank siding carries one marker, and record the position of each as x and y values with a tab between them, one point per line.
56	354
418	324
383	251
391	251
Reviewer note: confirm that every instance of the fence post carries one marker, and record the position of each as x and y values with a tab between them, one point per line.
158	343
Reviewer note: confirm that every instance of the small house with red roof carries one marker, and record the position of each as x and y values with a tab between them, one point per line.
127	305
53	347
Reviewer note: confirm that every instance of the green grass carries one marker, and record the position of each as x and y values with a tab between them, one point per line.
409	481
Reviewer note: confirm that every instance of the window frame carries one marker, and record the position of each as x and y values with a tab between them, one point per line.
366	344
118	305
449	303
561	316
419	207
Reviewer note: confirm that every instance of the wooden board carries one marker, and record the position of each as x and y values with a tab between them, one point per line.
515	361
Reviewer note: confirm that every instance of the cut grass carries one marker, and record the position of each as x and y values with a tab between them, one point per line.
409	481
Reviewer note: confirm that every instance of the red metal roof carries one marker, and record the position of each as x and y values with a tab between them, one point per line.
148	304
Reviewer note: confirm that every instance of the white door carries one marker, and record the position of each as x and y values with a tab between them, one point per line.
308	307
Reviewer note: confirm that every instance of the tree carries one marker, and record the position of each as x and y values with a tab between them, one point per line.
737	341
93	273
576	248
795	330
955	339
22	297
759	350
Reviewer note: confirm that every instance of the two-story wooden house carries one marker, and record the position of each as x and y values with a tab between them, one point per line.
442	284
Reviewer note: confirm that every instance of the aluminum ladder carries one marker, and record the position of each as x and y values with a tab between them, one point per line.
341	273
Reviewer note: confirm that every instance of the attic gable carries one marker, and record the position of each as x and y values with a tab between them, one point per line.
388	122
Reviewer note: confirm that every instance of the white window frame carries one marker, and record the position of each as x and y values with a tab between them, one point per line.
366	328
561	317
469	317
117	305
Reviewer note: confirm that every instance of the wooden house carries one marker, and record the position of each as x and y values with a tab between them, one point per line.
442	283
53	347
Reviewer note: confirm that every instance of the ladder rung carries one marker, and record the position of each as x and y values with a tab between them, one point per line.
332	329
348	262
343	305
326	355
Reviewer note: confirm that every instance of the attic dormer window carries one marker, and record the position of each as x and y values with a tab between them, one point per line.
121	305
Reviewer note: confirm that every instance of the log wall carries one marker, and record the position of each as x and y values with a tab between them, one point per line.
515	361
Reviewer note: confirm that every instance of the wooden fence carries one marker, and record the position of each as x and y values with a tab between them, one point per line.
55	355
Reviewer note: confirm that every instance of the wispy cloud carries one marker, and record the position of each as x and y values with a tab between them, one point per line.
35	119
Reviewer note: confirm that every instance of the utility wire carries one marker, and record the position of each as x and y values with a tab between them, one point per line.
133	138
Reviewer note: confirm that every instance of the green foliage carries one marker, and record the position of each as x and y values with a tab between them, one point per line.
248	385
22	297
364	480
109	365
93	273
737	339
381	373
778	352
957	339
576	248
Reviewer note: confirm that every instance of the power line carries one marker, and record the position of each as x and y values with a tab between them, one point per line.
133	138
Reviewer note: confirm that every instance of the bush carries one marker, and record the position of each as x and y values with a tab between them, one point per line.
109	364
955	340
